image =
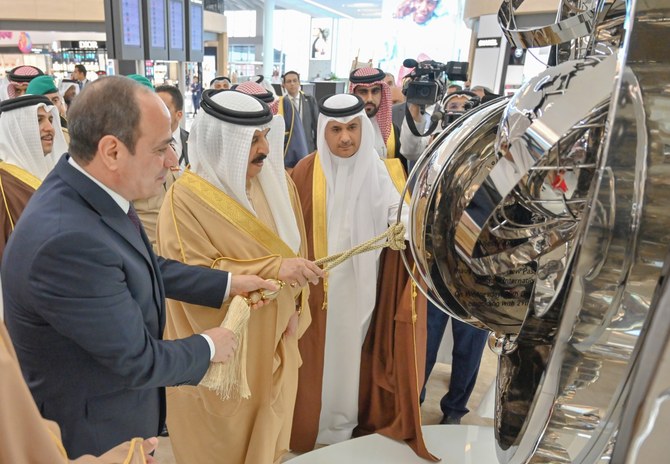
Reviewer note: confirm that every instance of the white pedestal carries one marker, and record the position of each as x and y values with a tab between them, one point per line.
487	405
454	444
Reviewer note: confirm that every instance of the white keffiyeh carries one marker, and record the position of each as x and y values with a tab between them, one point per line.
20	141
361	201
219	153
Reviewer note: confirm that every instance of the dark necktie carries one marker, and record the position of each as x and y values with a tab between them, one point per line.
135	219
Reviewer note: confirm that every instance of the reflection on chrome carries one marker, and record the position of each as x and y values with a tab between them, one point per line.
543	218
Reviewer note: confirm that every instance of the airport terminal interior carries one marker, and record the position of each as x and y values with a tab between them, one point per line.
326	231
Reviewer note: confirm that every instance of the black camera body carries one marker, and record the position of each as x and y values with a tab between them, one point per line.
429	79
422	92
428	82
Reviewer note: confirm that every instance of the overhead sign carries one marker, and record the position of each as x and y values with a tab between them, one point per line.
88	44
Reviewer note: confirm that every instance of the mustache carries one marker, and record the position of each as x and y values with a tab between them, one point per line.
259	158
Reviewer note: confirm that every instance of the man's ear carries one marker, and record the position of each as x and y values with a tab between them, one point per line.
109	151
179	114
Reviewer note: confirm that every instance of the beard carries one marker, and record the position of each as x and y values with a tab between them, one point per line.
371	112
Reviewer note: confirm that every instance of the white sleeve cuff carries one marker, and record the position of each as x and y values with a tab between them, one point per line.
212	348
228	284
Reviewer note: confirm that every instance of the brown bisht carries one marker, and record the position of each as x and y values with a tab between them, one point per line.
16	187
392	357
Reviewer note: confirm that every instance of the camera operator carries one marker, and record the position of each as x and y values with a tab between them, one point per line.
424	88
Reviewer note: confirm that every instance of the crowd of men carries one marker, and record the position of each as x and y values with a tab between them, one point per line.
125	238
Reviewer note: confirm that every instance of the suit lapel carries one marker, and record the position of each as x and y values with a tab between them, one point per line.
183	135
303	104
112	215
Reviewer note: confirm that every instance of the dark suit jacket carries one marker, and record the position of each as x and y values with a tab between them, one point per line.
84	303
310	118
183	156
398	115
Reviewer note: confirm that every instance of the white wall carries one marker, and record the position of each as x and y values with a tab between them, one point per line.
292	36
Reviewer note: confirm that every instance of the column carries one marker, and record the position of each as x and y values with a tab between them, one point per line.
268	49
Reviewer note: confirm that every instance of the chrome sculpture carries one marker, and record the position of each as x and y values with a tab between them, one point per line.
541	218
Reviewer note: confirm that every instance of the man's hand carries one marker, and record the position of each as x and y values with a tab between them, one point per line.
415	111
245	284
149	446
298	271
225	343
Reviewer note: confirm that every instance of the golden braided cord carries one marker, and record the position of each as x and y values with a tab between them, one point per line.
394	238
229	380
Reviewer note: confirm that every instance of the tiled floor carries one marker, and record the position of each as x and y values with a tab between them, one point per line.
431	414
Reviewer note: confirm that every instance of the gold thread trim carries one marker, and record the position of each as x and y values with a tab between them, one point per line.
397	173
226	258
234	213
390	144
176	226
4	200
21	174
319	220
290	131
413	295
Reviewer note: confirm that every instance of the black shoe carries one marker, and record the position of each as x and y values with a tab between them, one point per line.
447	420
164	432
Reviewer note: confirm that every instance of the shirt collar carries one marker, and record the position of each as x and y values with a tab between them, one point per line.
176	135
118	199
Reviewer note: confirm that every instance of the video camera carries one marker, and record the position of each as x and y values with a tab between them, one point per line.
428	82
428	86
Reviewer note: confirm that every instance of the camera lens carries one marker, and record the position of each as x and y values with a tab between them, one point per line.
424	92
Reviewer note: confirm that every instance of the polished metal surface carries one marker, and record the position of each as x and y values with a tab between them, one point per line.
642	437
551	229
473	136
578	18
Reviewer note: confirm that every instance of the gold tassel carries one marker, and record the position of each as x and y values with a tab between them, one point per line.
325	294
229	379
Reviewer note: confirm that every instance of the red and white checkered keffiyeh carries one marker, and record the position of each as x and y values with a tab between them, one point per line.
384	113
21	75
255	89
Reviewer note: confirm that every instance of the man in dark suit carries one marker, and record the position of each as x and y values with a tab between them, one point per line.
174	101
84	295
79	74
304	104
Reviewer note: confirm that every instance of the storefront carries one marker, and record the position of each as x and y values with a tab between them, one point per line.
17	48
54	55
91	53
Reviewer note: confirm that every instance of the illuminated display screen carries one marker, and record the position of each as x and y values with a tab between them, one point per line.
157	23
196	27
177	24
131	20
